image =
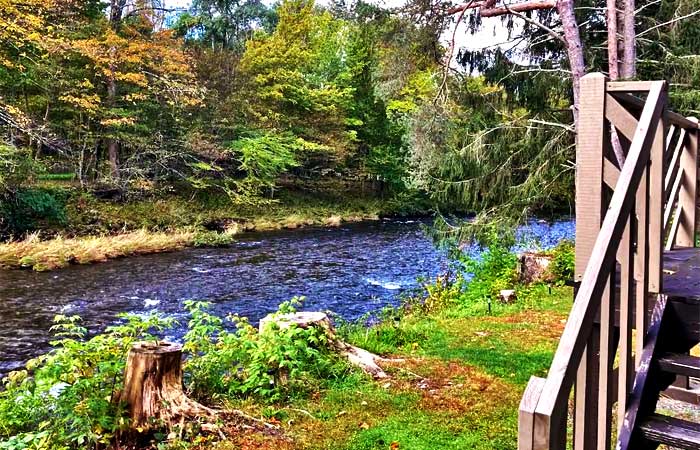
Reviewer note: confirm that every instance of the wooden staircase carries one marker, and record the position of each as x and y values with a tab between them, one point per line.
664	359
636	316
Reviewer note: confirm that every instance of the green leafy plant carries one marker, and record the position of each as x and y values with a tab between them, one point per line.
267	364
212	239
68	398
494	270
563	262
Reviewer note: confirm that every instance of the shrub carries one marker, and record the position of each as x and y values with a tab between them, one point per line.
563	261
24	210
268	364
66	398
212	239
69	398
496	269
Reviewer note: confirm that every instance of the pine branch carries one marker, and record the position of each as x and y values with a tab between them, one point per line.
670	22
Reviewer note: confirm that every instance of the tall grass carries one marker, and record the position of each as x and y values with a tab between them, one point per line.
41	255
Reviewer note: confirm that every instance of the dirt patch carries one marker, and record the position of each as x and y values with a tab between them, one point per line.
243	434
530	327
450	386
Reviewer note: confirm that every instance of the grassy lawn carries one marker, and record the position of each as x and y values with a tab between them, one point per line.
458	386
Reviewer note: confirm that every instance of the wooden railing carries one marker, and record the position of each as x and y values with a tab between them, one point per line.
636	185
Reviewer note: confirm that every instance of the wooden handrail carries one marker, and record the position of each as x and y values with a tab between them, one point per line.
637	104
641	187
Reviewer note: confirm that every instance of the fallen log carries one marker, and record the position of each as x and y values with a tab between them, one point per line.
358	357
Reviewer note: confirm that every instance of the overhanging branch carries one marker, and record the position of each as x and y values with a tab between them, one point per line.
488	8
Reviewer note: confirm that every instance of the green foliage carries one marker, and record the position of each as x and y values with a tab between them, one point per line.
263	158
563	262
480	151
17	168
212	239
66	398
295	71
26	209
269	365
494	270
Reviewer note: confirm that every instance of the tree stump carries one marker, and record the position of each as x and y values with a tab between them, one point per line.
153	386
534	267
361	358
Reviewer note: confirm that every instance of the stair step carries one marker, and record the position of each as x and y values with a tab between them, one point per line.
680	364
671	431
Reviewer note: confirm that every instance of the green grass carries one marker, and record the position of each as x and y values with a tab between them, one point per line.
458	386
95	230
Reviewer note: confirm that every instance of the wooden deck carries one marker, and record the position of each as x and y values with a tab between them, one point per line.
682	274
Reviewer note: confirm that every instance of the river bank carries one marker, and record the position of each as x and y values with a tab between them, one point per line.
90	230
459	373
459	362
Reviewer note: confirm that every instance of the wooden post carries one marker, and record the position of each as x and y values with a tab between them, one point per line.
687	198
153	386
590	143
591	139
656	203
526	413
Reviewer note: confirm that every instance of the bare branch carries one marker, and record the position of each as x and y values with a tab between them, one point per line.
551	32
670	22
489	9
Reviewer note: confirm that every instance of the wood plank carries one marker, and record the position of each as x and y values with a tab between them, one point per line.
586	394
526	413
641	264
629	86
610	173
638	401
637	103
673	165
680	364
682	278
676	433
669	137
552	407
691	397
671	203
656	204
673	233
626	322
607	358
589	168
619	117
688	195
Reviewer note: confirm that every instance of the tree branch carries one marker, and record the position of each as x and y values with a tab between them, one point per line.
527	19
670	22
489	8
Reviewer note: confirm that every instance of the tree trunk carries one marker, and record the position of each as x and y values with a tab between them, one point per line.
629	36
153	386
574	49
613	59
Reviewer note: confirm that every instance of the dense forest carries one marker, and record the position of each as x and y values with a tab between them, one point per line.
240	98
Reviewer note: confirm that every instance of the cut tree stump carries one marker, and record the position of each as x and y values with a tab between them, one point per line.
534	267
153	387
358	357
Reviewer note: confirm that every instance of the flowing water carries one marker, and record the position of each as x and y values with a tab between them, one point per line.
350	270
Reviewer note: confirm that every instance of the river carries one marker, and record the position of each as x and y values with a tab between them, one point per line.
350	270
